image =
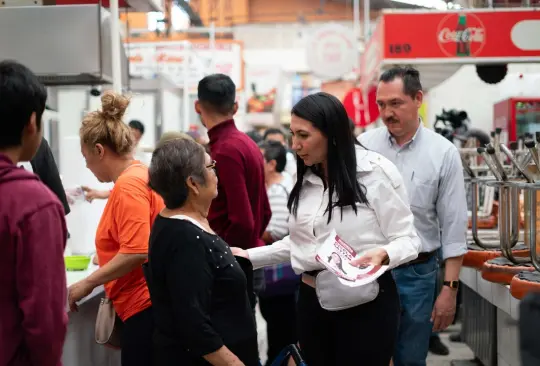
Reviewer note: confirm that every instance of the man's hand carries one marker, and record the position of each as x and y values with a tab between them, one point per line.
239	252
444	309
376	257
77	292
92	194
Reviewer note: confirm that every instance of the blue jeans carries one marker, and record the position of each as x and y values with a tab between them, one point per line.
416	286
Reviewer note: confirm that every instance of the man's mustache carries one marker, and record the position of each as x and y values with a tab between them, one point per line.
391	120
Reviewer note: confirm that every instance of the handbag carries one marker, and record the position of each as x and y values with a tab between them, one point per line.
335	296
290	351
108	331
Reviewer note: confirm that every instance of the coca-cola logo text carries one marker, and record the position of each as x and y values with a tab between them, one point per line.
467	35
461	35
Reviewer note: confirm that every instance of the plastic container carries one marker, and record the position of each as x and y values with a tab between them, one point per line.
77	262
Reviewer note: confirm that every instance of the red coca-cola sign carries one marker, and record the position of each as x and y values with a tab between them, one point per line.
461	35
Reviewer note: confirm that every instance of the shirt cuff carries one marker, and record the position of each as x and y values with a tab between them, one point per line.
453	250
261	256
400	252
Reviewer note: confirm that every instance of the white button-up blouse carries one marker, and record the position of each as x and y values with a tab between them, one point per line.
386	221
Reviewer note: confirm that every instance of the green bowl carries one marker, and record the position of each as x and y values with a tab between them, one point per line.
77	262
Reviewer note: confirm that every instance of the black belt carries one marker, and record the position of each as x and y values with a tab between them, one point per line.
422	258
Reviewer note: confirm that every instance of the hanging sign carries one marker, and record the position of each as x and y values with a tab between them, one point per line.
362	114
170	58
332	51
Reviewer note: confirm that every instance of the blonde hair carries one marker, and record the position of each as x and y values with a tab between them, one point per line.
106	126
170	136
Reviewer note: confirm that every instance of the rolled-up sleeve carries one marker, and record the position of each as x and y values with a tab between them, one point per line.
189	281
391	205
278	252
452	207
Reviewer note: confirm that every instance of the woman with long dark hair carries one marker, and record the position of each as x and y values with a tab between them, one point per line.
369	211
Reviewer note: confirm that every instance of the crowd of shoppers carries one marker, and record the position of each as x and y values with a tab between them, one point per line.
185	245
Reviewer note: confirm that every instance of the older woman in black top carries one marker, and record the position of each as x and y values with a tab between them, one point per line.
198	290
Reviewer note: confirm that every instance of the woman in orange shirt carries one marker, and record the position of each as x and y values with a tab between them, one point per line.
123	232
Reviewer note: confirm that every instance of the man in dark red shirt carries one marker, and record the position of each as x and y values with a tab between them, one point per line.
241	211
33	292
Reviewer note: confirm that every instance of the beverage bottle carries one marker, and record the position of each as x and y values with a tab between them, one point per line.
462	38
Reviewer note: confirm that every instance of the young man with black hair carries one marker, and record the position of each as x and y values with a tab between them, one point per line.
241	211
45	168
33	232
436	191
276	134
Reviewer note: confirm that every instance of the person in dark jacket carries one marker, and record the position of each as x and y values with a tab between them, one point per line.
33	290
45	168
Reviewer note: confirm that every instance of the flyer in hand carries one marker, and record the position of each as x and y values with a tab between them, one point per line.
336	255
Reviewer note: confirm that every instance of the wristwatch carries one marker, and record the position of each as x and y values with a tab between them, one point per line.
451	284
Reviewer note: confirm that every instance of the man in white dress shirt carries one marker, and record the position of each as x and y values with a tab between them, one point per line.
432	170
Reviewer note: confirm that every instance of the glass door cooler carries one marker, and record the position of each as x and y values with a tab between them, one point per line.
517	117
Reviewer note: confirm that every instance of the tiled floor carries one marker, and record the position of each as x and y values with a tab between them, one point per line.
458	351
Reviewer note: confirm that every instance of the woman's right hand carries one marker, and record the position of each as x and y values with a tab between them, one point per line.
92	194
239	252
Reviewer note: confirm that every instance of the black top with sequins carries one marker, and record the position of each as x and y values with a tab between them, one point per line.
198	293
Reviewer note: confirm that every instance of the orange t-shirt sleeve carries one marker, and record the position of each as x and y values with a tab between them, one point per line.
133	219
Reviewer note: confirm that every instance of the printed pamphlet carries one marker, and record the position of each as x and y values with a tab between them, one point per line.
336	255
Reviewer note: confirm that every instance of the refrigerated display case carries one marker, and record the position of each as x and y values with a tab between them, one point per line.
516	117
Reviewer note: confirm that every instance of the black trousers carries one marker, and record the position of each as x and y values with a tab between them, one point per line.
280	315
137	339
363	335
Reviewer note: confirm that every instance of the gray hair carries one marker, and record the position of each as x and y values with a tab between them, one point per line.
172	135
172	164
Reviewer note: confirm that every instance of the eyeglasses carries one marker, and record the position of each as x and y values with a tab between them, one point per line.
212	166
